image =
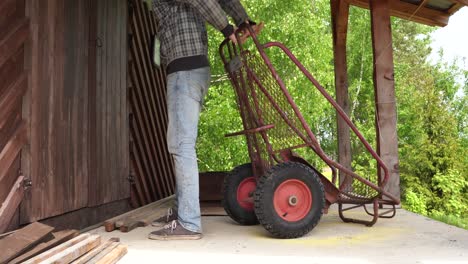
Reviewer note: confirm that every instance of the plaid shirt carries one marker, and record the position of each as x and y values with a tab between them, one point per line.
182	29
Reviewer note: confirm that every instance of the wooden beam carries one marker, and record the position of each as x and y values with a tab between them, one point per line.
11	203
454	8
114	256
49	253
22	240
405	10
340	17
59	238
96	251
385	100
11	150
104	251
462	2
68	251
110	224
421	5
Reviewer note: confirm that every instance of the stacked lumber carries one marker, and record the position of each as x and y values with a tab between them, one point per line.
37	243
140	217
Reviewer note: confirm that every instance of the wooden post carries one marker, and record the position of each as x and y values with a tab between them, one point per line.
385	101
339	14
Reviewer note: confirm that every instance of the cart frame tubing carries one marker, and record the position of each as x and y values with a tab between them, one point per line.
311	141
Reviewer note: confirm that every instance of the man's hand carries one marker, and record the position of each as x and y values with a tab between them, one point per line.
232	37
246	33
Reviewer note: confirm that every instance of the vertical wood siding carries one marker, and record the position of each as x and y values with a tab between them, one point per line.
78	156
109	156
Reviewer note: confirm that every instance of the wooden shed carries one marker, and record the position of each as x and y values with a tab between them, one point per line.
82	111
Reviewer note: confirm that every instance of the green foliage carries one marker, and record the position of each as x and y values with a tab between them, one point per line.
451	198
432	103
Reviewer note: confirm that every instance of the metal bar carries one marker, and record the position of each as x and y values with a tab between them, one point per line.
251	131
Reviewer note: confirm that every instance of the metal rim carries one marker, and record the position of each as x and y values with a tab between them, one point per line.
292	200
245	192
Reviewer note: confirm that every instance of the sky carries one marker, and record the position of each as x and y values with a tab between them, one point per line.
453	38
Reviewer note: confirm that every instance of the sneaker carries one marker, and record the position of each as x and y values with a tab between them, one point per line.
174	231
166	219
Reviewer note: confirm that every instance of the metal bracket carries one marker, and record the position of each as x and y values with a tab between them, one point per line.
235	64
27	183
131	178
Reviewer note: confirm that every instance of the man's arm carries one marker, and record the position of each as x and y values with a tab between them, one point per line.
235	10
212	12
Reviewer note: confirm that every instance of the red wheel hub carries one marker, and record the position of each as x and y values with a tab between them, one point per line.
245	193
292	200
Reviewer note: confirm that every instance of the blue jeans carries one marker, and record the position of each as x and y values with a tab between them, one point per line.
186	91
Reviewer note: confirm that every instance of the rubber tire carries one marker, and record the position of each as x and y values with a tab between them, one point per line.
264	206
230	203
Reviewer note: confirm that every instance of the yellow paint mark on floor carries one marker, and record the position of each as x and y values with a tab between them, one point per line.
354	237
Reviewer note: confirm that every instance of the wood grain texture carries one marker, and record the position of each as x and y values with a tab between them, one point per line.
88	257
14	39
58	121
108	105
11	203
58	249
113	256
68	254
405	10
58	238
11	150
15	30
110	224
385	99
79	134
340	17
22	240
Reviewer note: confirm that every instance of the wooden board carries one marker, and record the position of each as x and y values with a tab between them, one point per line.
212	209
58	238
96	251
114	256
9	153
68	254
110	223
11	203
146	218
405	10
106	250
79	243
22	240
109	167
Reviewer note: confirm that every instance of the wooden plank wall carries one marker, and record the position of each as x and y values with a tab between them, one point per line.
109	155
151	163
58	162
76	107
13	84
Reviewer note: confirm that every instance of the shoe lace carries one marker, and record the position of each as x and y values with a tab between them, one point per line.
169	214
171	226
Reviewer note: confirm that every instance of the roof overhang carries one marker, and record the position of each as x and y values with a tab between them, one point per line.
428	12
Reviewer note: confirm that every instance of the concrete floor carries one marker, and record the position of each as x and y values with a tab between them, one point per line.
407	238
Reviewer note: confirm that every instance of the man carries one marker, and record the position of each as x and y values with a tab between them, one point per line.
184	48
